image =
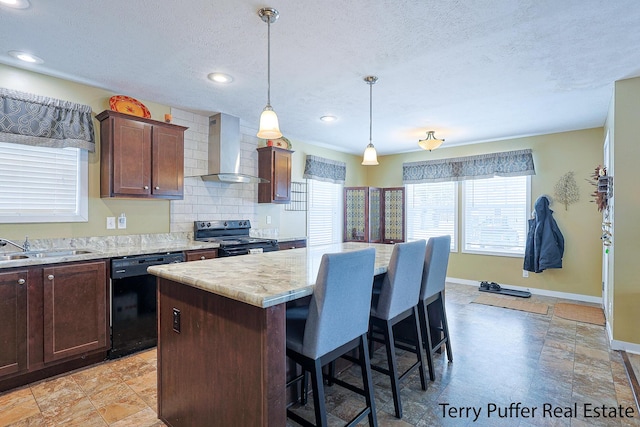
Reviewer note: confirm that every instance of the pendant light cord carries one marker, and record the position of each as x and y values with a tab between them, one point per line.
370	110
269	61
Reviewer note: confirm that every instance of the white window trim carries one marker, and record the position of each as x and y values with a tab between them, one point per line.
463	228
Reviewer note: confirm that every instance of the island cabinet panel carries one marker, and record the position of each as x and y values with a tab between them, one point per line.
74	303
220	362
13	318
140	158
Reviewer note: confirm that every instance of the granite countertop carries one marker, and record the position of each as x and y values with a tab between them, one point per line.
266	279
104	247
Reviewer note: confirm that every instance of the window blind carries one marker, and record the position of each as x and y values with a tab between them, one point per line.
41	184
432	210
324	213
495	215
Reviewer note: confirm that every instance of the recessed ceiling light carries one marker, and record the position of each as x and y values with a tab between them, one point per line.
16	4
220	77
26	57
328	118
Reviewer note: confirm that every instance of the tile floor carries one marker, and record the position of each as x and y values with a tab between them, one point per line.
501	356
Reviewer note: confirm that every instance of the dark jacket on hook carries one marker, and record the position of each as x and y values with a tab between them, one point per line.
545	243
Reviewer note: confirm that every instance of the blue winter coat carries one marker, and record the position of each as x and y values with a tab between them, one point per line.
545	244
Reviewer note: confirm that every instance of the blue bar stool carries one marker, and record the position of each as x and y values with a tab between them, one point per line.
398	300
335	322
431	308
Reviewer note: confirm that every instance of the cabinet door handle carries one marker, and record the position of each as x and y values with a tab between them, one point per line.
157	188
146	187
203	257
50	277
21	281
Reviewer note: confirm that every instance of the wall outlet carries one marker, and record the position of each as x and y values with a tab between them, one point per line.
268	219
122	221
111	222
525	273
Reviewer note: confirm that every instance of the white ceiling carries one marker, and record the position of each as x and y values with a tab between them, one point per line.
471	70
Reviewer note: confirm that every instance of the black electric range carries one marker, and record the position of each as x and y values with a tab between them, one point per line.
233	237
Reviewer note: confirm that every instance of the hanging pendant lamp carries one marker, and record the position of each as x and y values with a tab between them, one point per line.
269	127
370	157
431	142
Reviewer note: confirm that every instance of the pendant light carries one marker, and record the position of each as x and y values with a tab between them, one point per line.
370	157
431	142
269	127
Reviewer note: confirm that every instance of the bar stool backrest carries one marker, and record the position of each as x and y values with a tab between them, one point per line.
436	261
401	285
341	301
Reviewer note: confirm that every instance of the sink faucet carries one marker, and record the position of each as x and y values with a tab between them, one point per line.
24	247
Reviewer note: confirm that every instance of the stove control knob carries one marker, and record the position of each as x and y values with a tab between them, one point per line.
208	224
225	223
202	225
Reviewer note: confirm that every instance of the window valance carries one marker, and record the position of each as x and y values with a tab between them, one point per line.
327	170
47	122
507	163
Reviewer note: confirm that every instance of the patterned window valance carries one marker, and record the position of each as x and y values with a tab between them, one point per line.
322	169
507	163
46	122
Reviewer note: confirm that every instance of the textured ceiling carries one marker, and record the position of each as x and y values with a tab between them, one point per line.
470	70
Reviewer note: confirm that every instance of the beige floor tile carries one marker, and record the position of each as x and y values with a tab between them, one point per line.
122	408
142	382
21	410
144	418
96	379
111	394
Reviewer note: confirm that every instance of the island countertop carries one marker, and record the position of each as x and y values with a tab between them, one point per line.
267	279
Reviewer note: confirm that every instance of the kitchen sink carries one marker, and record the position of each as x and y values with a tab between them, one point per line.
43	254
54	253
11	257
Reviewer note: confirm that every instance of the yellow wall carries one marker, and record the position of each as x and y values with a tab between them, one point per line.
143	216
554	155
625	153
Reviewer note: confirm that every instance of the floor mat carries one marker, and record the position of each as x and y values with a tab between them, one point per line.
579	313
514	304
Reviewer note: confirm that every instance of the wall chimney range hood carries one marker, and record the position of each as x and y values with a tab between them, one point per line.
224	151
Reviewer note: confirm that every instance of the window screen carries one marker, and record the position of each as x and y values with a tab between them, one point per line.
495	212
324	213
432	210
42	184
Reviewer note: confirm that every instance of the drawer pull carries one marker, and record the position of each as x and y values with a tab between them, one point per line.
203	257
50	277
146	187
157	188
21	281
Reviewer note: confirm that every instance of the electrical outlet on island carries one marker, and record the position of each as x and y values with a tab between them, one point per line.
122	221
111	222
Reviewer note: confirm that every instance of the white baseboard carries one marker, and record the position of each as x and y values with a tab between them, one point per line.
534	291
629	347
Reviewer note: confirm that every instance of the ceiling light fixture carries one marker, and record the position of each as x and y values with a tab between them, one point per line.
328	118
26	57
15	4
220	78
370	157
269	127
431	142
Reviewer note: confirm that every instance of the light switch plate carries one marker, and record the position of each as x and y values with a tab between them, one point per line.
111	222
122	221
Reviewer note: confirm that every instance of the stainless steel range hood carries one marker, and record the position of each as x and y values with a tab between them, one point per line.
224	151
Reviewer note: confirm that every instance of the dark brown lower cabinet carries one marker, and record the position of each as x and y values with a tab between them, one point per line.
54	319
13	318
75	315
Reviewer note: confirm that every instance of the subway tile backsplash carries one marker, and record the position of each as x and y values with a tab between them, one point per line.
212	200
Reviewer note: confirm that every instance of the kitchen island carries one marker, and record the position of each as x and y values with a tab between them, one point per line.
221	338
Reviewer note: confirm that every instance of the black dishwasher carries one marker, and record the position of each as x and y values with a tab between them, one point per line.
133	302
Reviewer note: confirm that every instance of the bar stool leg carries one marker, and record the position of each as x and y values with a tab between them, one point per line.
393	367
